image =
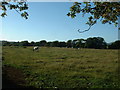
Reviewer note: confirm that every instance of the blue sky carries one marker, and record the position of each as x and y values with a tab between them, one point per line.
48	21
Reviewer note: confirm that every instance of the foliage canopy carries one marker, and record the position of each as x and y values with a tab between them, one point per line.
91	42
106	12
18	5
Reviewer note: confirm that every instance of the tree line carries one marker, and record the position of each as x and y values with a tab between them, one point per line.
92	42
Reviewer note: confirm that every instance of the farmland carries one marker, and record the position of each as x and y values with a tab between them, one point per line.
53	67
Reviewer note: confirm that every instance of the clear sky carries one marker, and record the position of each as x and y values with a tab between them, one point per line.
48	21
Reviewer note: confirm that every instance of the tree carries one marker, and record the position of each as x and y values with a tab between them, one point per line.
69	43
5	43
80	43
18	5
115	45
32	43
106	12
24	43
95	42
37	44
43	42
74	43
62	44
55	44
48	44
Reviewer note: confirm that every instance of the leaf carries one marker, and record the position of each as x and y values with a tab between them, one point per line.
3	14
109	11
68	14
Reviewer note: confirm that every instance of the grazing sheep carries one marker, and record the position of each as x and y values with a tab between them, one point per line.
78	48
36	48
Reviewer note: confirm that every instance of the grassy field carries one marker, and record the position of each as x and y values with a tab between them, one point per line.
61	67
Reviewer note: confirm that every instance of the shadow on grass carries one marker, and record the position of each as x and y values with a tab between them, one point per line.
13	78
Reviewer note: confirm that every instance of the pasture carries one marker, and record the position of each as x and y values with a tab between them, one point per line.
53	67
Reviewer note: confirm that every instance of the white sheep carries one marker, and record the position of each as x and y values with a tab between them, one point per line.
36	48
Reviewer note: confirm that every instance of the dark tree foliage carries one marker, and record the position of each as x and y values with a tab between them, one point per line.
69	43
106	12
80	43
32	43
55	44
5	43
18	5
49	44
42	42
92	42
24	43
115	45
95	42
62	44
36	44
74	43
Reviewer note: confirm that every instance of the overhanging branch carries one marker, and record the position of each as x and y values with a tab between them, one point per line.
84	30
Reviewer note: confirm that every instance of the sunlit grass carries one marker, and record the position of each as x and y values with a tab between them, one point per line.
65	67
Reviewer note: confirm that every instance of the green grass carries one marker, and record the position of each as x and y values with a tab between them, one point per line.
65	67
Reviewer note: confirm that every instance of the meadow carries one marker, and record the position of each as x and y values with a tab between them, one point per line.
53	67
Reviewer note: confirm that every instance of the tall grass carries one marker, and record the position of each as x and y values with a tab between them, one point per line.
65	67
